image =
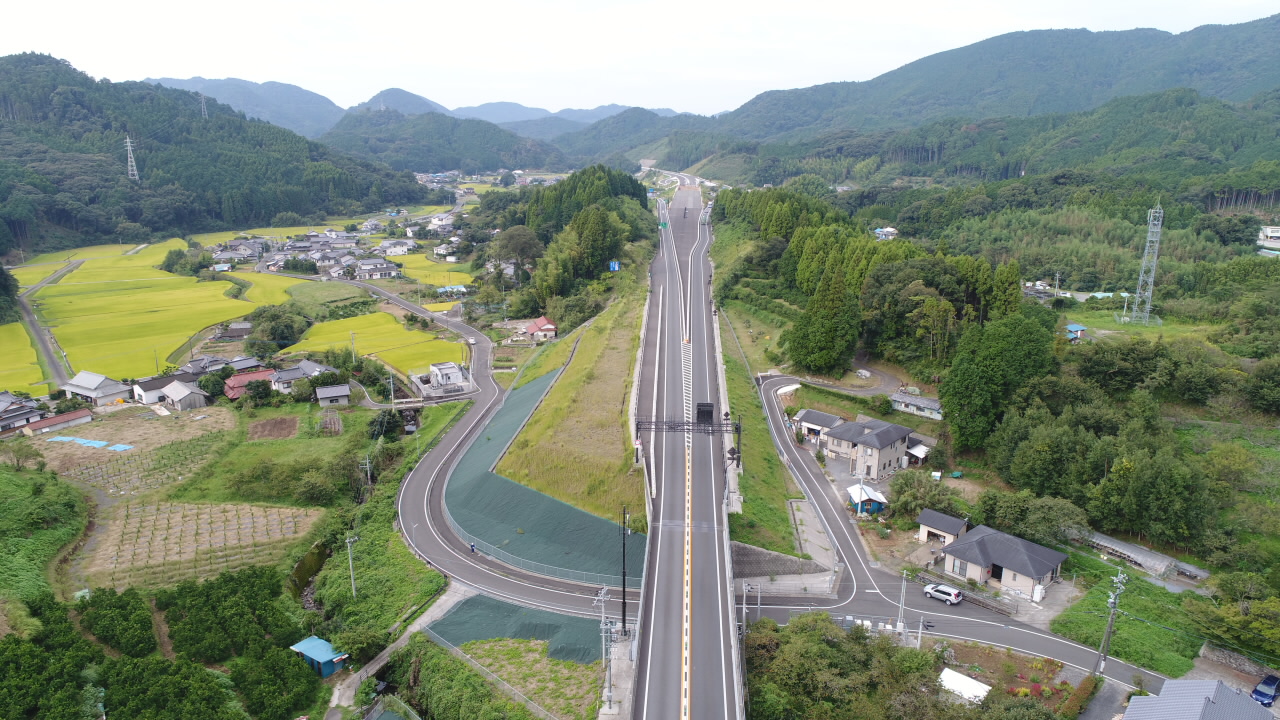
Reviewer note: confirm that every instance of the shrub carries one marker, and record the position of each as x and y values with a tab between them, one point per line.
122	621
1078	700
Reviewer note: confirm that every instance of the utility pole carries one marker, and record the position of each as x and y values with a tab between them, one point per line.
353	348
204	111
128	148
602	599
1113	599
902	602
351	565
1057	278
626	530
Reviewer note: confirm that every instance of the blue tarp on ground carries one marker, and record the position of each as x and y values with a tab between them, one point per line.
525	522
120	448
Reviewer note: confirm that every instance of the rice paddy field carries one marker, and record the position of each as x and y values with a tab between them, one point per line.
440	306
214	238
382	336
116	315
83	253
19	369
30	275
422	268
267	289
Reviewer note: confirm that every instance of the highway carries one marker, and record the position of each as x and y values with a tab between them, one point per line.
685	663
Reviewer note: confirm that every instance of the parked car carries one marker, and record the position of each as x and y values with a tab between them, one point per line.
471	340
1265	692
945	593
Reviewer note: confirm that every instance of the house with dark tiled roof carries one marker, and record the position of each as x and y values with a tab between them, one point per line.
1002	561
936	527
17	411
873	447
1196	700
815	423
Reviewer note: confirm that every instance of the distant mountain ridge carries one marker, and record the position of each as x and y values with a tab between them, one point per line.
1023	74
288	106
401	101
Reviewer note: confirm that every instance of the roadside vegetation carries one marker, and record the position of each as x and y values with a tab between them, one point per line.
565	688
576	446
42	515
438	685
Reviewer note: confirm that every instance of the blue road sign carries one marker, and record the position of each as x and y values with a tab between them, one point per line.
614	266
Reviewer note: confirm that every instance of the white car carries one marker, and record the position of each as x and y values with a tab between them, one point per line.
471	340
945	593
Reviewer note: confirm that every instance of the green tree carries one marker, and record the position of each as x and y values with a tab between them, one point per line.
213	384
518	245
1264	386
259	390
287	219
386	423
911	491
507	179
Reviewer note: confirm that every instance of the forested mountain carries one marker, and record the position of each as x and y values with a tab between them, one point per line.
509	112
1179	140
401	101
432	142
546	128
289	106
63	173
626	130
1023	74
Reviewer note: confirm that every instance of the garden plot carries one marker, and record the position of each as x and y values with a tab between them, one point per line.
136	426
275	428
129	473
157	544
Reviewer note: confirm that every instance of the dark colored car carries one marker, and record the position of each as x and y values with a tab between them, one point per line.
1266	691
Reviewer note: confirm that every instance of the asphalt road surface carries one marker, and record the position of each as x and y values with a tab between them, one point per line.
685	663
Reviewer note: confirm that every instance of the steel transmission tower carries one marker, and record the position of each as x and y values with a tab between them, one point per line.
1147	277
204	111
128	148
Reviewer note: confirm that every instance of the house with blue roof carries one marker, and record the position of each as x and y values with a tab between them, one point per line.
1075	332
320	655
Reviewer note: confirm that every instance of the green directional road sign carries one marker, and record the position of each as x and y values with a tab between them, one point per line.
662	225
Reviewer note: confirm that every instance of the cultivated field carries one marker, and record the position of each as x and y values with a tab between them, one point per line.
423	268
440	306
382	336
267	289
136	426
136	471
19	369
576	446
83	253
158	543
32	274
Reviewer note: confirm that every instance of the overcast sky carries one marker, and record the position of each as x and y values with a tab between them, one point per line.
704	56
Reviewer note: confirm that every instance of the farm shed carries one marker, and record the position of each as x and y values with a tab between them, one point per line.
181	395
58	422
320	655
866	500
815	423
334	395
940	527
97	390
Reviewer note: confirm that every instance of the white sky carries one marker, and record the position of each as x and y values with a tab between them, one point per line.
703	56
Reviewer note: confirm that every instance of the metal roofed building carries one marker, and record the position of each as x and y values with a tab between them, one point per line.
320	655
1196	700
916	405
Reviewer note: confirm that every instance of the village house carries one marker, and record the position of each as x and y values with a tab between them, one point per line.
334	395
374	269
234	332
865	500
149	391
396	247
203	365
371	225
886	233
916	405
1196	700
241	363
446	373
1002	562
541	329
283	380
1075	332
236	385
58	422
97	390
874	447
815	424
180	395
936	527
16	412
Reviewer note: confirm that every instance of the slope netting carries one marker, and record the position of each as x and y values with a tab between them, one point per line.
483	618
524	527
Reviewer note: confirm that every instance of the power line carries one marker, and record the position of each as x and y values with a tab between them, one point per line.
1113	599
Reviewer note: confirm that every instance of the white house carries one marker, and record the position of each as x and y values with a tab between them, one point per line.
446	373
886	233
396	247
1269	235
97	390
374	269
916	405
541	329
151	390
874	447
816	424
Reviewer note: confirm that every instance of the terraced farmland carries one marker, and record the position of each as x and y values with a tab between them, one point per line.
382	336
18	366
267	289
